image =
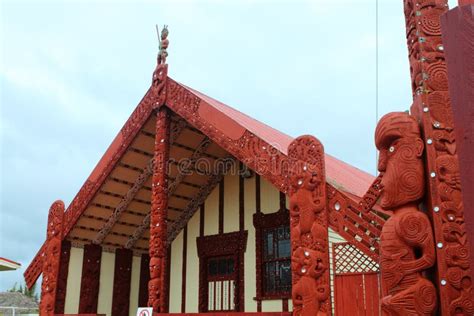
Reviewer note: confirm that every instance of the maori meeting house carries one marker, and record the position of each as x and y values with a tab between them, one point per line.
197	208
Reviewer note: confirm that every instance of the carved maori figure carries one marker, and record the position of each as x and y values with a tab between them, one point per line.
309	228
407	244
52	257
432	107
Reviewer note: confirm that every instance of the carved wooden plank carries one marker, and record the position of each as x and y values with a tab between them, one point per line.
122	278
432	107
458	38
158	214
144	279
62	278
52	257
89	297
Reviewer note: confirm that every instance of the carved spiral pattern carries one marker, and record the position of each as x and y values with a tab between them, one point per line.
412	228
455	276
426	298
437	76
430	23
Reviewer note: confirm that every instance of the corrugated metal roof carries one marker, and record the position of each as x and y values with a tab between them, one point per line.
339	173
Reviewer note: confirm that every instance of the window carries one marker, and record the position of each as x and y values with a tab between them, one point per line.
273	254
276	261
221	282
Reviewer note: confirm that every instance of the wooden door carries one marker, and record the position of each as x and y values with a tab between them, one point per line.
356	295
356	282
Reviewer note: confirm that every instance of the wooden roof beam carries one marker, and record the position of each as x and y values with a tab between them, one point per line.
132	192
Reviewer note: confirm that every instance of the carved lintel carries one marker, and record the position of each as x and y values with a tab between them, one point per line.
308	227
51	259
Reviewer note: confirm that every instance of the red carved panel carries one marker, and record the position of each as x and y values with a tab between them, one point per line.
144	279
51	259
62	278
158	213
309	227
229	244
458	38
432	107
407	244
122	279
89	297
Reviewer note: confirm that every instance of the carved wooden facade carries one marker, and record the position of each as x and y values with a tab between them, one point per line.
418	164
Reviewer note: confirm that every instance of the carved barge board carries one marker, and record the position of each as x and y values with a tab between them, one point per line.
308	227
62	278
458	38
444	199
51	259
89	297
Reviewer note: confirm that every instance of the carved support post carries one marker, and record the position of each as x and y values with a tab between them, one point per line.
51	259
158	212
309	228
458	38
432	107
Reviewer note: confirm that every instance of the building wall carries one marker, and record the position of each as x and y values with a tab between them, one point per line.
106	283
270	200
270	203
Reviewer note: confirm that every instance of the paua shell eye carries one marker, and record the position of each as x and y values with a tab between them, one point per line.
391	149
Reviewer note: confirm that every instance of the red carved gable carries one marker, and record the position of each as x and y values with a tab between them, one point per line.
242	136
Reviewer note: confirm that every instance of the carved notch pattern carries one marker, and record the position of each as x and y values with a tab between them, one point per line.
308	227
432	106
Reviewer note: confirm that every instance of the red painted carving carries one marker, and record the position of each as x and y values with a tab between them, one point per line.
122	278
407	245
52	257
89	297
458	40
432	107
229	244
62	278
158	213
309	228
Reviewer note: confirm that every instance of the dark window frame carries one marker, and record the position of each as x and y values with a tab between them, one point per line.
264	223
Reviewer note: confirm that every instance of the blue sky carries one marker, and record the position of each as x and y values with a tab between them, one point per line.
72	72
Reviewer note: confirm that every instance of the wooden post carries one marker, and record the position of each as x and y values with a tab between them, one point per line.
432	108
51	260
309	228
458	39
158	212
